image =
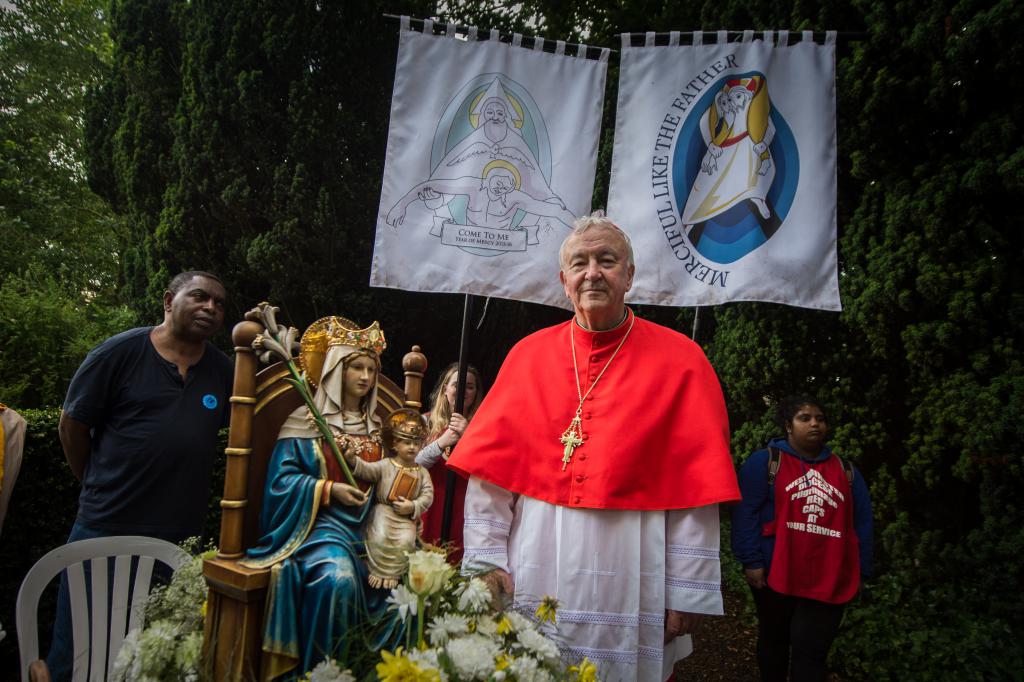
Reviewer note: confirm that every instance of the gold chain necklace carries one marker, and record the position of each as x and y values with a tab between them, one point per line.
572	438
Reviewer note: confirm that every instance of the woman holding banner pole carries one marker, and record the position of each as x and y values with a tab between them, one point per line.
445	428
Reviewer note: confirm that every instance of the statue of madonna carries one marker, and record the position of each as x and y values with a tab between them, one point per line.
312	522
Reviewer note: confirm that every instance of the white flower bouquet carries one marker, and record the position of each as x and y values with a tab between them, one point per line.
170	645
460	636
453	633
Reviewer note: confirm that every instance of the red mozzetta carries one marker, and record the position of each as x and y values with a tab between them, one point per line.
655	429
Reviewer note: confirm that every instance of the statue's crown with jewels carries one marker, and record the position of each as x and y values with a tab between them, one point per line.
336	331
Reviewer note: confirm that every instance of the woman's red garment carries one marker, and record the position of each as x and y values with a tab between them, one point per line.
433	516
816	548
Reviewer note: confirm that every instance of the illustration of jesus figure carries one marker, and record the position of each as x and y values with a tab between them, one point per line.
738	164
492	200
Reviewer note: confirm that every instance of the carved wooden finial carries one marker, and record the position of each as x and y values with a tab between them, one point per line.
415	361
245	333
415	365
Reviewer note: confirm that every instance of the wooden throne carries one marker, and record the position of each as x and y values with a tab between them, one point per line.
261	400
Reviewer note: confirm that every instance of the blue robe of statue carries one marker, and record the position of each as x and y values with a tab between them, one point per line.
319	602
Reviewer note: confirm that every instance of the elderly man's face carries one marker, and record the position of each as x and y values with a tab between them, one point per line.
596	274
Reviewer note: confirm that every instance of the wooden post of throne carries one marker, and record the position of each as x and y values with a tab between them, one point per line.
260	402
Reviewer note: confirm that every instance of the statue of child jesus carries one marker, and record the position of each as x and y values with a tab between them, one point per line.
403	492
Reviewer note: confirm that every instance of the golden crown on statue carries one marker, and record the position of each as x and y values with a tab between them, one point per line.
336	331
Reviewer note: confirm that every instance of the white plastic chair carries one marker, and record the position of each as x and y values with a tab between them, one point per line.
94	655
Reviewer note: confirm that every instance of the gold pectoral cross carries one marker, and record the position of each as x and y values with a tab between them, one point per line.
571	439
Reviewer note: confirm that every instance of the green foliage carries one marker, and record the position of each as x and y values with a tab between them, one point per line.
170	645
60	241
925	639
45	331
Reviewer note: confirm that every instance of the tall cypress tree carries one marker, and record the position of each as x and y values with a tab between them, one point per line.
130	136
279	147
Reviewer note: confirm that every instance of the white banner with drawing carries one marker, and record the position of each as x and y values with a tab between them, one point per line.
724	170
492	150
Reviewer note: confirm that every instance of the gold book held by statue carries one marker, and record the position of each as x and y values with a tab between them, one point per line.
403	486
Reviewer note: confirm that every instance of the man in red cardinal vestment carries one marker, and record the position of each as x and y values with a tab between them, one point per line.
596	465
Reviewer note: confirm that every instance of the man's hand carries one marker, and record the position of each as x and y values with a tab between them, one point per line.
347	495
403	506
755	577
679	623
500	583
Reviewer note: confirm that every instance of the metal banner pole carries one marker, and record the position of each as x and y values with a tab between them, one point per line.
460	397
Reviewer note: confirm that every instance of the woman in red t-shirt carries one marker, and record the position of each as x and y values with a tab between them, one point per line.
803	534
445	429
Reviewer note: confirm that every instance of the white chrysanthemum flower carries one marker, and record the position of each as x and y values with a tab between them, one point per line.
329	671
128	665
473	656
519	621
442	628
189	651
487	626
527	669
538	645
156	648
474	596
427	660
403	600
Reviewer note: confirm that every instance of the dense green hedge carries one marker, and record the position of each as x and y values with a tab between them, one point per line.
39	518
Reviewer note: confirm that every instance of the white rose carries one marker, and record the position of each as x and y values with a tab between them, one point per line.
428	572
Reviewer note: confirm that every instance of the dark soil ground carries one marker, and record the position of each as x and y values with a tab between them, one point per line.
723	648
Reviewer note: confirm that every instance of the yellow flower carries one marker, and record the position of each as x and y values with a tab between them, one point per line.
547	609
203	610
584	672
504	626
397	668
501	662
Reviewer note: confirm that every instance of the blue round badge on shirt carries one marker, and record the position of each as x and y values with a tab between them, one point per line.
210	401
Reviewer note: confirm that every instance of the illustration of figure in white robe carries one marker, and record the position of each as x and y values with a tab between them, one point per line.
738	164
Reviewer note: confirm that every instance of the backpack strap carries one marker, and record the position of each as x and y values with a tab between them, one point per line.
774	458
847	467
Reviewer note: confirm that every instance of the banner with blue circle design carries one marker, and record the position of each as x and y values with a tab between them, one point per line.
724	170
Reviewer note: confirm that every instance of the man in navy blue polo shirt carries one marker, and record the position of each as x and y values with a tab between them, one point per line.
139	429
